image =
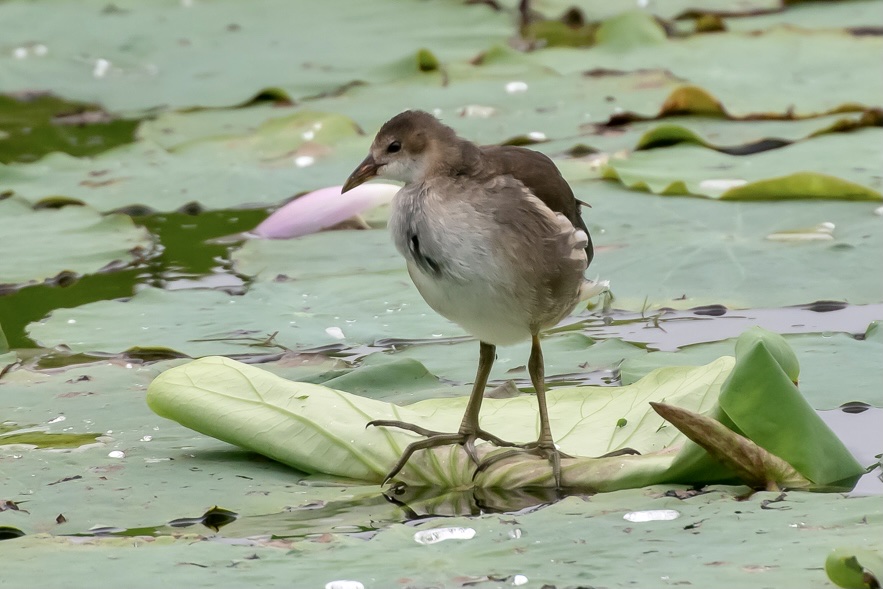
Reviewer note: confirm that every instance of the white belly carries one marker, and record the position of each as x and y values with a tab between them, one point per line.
482	309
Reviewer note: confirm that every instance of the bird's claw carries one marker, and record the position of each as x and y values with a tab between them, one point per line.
435	439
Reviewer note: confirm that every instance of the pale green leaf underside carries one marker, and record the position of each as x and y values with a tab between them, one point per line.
317	429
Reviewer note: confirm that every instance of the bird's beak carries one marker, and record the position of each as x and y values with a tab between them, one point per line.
364	172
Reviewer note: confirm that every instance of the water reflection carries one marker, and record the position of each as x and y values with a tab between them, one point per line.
862	435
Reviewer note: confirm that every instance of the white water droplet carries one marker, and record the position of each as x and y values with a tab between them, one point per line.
537	136
116	454
308	135
302	161
821	232
879	211
146	438
40	50
335	332
515	87
71	321
20	52
102	66
519	580
651	515
515	533
343	584
436	535
477	111
721	185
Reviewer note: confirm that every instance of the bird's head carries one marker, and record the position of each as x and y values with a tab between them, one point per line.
409	146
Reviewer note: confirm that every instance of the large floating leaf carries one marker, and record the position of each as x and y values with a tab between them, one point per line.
535	544
505	96
670	9
508	97
835	368
780	72
280	158
859	15
318	429
567	354
296	314
84	242
220	54
855	568
154	466
683	253
838	166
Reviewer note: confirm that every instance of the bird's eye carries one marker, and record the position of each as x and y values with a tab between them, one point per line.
394	147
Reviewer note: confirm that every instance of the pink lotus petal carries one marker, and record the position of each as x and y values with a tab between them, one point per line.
323	208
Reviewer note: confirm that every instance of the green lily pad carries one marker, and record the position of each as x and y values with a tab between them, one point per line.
781	72
834	366
224	53
566	354
803	525
137	458
504	97
324	430
854	568
735	264
282	157
326	254
836	166
861	14
86	242
508	96
271	317
670	9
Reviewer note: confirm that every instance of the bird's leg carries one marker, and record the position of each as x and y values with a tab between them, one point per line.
469	428
545	444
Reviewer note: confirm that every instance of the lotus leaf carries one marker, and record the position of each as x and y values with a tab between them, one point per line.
317	429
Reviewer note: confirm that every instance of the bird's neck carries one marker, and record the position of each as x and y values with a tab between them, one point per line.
451	158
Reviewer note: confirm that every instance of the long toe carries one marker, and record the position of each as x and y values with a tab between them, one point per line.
620	452
430	442
552	454
435	439
405	426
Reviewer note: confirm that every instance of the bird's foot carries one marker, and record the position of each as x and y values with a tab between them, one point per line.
543	450
434	439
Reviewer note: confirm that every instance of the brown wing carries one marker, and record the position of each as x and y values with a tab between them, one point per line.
541	176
